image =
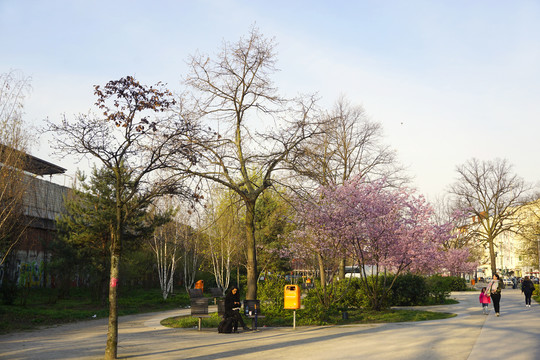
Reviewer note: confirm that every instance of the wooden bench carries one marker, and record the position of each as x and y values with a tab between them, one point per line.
307	286
221	307
198	304
216	293
252	310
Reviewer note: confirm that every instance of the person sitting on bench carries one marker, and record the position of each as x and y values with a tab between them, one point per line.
232	307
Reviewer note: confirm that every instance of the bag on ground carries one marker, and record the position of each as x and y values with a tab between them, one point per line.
225	326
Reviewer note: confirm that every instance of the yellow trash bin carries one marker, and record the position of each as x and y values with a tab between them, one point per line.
292	297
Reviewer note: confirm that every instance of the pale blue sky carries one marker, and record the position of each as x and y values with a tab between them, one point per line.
449	80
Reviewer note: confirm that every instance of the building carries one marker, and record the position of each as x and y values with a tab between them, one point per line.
43	201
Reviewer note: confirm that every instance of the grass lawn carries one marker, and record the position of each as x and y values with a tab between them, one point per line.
43	308
354	317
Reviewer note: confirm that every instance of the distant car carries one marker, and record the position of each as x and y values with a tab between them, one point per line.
508	282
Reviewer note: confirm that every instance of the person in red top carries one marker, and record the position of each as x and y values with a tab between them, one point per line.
484	300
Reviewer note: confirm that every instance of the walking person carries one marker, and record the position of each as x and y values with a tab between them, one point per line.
527	288
494	290
485	300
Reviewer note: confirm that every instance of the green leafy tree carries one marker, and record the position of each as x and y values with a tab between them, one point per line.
88	224
273	223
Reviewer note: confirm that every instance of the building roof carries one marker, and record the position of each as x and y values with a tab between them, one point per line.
41	167
36	165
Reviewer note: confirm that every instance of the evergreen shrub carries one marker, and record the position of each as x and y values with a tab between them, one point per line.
457	283
9	291
439	288
409	290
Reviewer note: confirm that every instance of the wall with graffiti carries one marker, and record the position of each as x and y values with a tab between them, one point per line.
25	272
30	274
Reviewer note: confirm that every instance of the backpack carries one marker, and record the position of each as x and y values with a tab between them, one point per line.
225	326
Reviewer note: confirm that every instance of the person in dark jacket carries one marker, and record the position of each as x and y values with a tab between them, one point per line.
232	307
527	288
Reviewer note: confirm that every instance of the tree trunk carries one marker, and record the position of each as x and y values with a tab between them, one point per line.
341	269
251	252
112	333
116	251
322	271
492	256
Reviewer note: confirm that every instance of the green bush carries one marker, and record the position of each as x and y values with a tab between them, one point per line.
349	294
319	306
457	283
409	290
378	297
439	288
9	292
315	312
271	294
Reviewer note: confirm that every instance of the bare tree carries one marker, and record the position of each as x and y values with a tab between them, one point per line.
190	245
492	195
225	233
235	94
13	147
447	210
351	145
165	245
126	140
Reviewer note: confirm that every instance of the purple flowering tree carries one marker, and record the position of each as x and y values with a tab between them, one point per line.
457	261
313	245
385	230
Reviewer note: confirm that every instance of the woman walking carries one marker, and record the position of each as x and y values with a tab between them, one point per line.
494	290
527	288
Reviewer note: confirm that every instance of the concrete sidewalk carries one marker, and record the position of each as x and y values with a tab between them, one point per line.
471	335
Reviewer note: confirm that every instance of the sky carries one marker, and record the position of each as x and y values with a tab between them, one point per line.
448	80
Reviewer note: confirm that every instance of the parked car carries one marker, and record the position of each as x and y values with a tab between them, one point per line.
508	282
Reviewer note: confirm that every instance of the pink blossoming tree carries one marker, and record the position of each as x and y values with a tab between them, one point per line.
385	230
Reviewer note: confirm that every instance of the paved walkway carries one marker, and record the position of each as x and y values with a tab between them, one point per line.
469	336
